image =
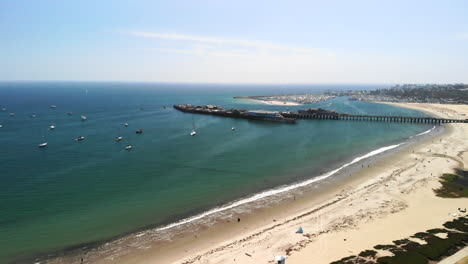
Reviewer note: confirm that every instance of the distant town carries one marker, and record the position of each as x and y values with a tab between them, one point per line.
406	93
413	93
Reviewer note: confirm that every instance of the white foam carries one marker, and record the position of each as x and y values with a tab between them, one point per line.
276	191
425	132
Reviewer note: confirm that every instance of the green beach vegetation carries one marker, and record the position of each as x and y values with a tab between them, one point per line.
454	185
438	243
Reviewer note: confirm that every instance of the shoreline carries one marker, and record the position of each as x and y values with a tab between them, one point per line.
329	214
323	192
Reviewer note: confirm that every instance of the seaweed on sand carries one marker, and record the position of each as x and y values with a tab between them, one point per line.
406	251
453	185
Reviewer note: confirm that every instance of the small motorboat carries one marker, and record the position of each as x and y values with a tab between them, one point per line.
52	127
12	114
126	125
233	128
70	113
83	118
33	116
193	133
80	138
118	138
1	125
139	131
129	147
42	145
52	106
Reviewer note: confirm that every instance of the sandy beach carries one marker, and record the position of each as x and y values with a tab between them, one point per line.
279	102
391	199
274	102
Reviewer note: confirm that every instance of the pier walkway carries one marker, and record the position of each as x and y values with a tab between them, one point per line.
401	119
312	113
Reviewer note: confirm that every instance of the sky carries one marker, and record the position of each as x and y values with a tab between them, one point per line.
216	41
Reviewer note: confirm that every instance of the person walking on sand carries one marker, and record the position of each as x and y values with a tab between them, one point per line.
238	220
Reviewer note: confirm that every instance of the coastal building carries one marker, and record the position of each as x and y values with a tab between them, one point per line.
263	113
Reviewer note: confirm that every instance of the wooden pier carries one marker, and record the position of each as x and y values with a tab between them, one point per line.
400	119
312	113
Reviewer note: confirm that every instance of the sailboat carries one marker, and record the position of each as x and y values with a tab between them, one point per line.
193	133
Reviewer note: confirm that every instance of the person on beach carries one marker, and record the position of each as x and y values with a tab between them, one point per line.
238	220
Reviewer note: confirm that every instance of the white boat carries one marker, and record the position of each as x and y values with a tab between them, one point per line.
233	128
33	116
83	118
129	147
118	138
4	109
126	125
1	126
52	127
80	138
12	114
42	145
53	106
193	133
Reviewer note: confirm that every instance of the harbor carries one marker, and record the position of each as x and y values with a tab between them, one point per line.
311	113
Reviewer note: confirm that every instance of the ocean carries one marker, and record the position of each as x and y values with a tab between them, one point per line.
77	192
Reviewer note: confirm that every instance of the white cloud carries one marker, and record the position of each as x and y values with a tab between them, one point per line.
222	42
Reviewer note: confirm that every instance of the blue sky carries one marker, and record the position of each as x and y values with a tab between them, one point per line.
235	41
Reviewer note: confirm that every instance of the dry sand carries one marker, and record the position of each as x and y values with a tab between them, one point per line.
392	199
273	102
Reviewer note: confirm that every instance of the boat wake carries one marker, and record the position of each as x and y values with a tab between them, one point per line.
277	190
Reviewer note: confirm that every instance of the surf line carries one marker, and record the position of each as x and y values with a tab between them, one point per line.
276	191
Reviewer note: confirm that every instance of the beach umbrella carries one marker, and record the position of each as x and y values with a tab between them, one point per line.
300	231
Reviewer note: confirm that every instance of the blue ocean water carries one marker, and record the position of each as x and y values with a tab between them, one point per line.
72	192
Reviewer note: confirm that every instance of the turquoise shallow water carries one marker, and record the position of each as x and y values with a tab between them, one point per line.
80	192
